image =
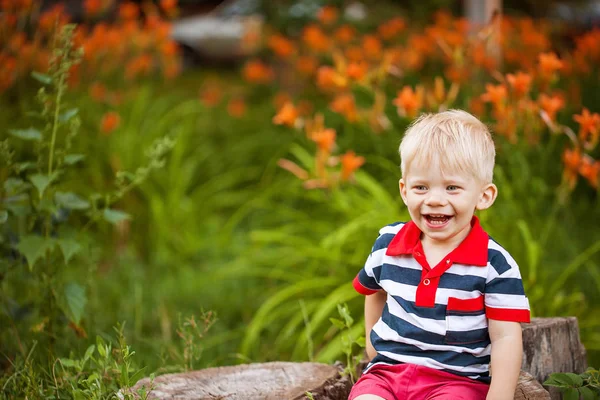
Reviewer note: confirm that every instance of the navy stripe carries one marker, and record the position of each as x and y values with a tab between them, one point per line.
407	330
506	286
498	261
459	313
437	312
451	358
367	281
462	282
382	241
398	274
460	338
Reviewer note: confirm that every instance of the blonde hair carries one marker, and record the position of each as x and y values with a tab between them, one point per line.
455	139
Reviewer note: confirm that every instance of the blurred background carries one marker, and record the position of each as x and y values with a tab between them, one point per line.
200	181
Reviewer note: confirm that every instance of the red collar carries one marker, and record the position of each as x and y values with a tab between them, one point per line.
473	250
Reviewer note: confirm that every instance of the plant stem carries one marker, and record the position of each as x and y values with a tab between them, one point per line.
60	88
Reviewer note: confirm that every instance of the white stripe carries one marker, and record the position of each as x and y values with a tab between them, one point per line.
466	323
386	333
407	292
391	229
499	300
442	295
514	267
468	270
429	362
404	262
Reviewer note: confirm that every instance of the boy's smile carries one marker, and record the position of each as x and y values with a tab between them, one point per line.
442	204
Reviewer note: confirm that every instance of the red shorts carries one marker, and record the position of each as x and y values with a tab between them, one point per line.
415	382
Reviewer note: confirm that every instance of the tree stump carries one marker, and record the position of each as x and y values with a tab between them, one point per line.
552	345
269	381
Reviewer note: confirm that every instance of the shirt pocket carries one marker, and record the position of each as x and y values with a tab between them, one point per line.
466	322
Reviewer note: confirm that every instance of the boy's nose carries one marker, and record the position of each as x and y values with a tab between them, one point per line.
435	199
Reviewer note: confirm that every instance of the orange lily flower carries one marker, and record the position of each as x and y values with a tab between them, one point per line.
357	70
128	11
520	83
409	102
256	71
328	15
325	139
590	170
588	127
344	104
495	94
549	63
551	104
307	65
345	33
372	46
390	29
316	39
110	121
211	94
281	46
287	115
350	163
572	160
328	78
236	107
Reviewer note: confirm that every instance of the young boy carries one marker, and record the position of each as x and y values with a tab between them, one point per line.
443	300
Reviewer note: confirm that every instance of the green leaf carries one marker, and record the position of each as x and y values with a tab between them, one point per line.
71	200
75	299
71	159
67	115
115	216
100	346
69	247
576	380
12	185
26	134
40	182
42	78
88	353
361	341
67	362
3	216
571	394
33	247
338	323
587	393
24	166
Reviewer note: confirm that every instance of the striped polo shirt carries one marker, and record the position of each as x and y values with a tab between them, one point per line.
437	317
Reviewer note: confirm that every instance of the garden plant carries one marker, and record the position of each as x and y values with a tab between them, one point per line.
256	191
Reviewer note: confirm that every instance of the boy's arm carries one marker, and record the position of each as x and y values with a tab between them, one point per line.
507	353
374	304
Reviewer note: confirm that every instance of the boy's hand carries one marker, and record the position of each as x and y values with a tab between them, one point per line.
507	354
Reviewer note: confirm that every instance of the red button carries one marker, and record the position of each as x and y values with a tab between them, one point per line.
426	282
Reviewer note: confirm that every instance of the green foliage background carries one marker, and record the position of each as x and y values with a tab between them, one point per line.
221	227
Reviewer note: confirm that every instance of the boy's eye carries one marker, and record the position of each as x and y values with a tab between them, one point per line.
452	188
421	187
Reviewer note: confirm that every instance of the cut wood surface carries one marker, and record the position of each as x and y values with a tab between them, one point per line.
269	381
530	389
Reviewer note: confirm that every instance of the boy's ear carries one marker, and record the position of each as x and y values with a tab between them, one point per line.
487	197
402	186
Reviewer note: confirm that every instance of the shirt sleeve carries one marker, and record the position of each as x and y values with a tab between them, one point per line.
367	280
505	298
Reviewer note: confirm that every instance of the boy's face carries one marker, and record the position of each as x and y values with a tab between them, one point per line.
442	204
